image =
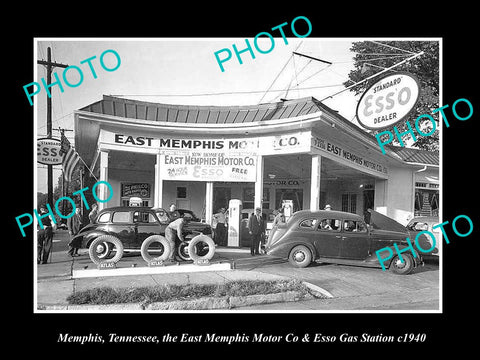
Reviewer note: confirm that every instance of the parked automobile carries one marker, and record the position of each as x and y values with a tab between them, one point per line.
132	225
422	223
341	238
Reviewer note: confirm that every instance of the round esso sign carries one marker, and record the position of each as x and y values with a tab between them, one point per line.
388	101
48	151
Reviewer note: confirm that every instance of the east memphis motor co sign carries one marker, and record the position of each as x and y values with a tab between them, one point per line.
388	101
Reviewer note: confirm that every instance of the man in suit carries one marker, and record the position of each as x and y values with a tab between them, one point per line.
256	229
74	225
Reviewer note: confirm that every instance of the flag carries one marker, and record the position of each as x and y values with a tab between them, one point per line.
70	158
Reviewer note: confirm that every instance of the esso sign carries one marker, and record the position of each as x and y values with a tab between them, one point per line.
48	151
388	101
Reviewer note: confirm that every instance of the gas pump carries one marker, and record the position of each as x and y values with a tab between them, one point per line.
287	206
234	222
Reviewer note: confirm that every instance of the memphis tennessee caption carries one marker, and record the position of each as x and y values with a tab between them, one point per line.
240	338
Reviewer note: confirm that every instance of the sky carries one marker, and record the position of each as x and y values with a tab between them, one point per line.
178	70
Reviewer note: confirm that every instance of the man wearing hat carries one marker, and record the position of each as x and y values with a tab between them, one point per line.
328	207
256	229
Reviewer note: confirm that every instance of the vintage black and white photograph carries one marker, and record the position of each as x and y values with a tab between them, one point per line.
280	173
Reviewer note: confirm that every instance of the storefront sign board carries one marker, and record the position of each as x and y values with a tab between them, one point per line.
141	190
348	156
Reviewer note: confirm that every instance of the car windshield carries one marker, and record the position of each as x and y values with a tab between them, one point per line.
162	216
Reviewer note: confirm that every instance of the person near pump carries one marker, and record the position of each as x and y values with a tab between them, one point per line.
93	214
220	229
279	217
174	230
45	237
173	212
74	225
256	229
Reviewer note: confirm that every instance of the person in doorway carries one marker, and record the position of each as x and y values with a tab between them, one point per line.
74	225
279	217
173	212
256	229
220	229
45	237
93	214
174	230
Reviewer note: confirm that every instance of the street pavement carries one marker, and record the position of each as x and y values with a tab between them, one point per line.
352	288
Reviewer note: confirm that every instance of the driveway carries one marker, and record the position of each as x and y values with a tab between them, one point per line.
359	288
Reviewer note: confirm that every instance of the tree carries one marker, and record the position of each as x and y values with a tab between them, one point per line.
371	57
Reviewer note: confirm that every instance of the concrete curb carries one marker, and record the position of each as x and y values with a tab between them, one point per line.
206	303
317	290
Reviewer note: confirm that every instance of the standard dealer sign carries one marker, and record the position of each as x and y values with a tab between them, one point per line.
388	101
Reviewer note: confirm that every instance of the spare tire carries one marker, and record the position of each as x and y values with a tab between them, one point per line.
182	251
164	248
196	248
98	258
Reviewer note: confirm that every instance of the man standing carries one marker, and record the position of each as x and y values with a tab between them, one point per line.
45	237
256	229
74	225
174	229
220	230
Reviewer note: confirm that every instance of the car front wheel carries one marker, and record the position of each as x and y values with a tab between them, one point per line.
300	256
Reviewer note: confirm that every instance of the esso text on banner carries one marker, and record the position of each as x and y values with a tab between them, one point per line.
388	101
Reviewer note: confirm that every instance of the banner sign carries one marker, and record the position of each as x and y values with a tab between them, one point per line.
48	151
208	166
388	101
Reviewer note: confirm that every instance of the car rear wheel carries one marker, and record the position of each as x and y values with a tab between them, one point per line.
300	256
402	268
103	250
162	251
109	242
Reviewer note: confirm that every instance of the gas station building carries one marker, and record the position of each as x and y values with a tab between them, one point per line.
200	157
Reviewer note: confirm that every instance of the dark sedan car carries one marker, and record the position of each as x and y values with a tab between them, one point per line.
132	225
342	238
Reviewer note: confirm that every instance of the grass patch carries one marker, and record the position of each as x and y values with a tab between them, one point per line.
150	294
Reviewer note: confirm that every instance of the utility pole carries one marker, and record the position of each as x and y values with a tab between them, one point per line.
64	193
50	65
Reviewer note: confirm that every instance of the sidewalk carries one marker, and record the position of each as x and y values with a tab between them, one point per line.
55	282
